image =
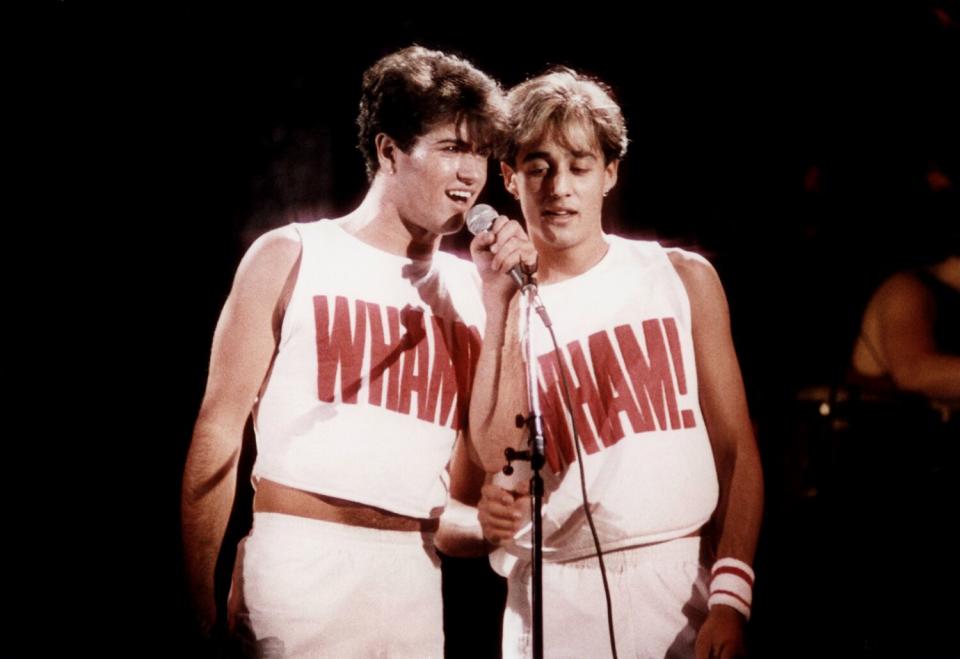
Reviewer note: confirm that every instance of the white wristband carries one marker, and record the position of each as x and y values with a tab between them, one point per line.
731	584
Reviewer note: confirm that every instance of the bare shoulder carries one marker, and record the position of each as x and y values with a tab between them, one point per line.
903	292
270	259
697	273
278	248
904	282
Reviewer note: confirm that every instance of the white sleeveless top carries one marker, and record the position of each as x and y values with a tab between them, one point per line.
624	328
372	376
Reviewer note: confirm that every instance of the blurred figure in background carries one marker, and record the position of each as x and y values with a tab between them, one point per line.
899	459
907	351
909	339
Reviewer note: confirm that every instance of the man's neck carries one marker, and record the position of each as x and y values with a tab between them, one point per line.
377	222
557	265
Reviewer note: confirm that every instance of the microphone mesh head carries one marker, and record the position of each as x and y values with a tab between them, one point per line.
480	218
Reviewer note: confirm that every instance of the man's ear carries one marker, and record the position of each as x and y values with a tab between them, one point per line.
509	179
610	176
387	149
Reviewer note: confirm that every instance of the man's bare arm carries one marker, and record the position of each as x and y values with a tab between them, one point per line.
243	348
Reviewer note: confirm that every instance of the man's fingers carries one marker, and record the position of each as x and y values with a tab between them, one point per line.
509	255
496	493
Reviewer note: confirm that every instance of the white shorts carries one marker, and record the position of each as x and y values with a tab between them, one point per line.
309	588
659	596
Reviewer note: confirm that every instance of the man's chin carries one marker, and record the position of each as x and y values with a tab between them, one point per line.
453	224
558	238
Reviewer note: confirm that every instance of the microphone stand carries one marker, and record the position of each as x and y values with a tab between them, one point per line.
535	454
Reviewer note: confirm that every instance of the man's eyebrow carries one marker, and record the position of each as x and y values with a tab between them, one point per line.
536	155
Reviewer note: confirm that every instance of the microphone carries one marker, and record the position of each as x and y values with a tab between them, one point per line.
479	219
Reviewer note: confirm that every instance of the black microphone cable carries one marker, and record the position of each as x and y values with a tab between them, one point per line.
558	355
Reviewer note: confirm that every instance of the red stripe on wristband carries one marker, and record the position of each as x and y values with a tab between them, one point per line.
734	571
731	594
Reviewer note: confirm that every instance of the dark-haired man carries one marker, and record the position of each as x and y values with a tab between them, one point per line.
352	343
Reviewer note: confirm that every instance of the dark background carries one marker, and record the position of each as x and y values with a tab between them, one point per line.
789	144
